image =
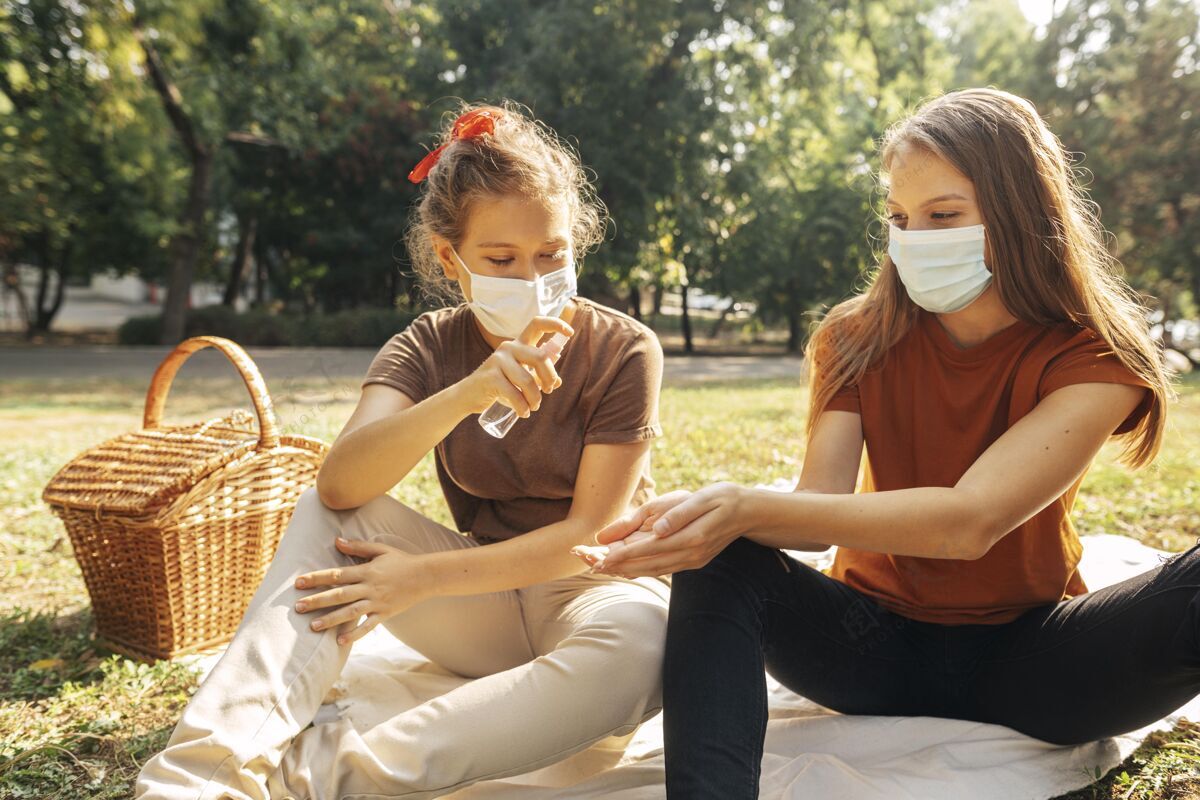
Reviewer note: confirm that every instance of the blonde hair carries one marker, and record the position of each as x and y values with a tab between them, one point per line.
523	157
1050	265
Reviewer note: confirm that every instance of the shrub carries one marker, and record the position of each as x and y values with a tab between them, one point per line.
362	327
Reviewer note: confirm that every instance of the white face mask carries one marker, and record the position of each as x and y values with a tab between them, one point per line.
506	305
942	269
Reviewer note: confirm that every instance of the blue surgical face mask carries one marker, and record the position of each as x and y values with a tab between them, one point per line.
942	269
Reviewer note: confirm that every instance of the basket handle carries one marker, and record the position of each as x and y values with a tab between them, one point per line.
160	384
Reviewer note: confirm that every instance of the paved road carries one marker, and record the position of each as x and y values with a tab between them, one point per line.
83	309
284	363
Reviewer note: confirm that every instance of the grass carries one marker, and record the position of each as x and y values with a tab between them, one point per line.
78	721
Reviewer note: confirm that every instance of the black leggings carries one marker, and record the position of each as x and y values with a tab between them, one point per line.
1097	665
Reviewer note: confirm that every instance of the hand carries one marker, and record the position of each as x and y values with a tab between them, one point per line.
518	372
689	531
632	527
641	518
595	556
391	582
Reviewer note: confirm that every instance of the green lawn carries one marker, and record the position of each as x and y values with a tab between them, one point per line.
77	721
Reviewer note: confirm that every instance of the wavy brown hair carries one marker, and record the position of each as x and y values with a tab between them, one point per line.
1046	253
524	158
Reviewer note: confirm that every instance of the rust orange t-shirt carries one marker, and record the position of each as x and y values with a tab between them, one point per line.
929	409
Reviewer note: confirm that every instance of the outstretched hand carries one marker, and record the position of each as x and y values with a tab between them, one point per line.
678	531
625	530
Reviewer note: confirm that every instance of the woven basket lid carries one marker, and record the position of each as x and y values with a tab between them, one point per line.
143	471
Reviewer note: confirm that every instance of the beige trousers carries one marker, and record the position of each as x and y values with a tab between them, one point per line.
557	667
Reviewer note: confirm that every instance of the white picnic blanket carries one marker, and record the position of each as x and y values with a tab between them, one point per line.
810	751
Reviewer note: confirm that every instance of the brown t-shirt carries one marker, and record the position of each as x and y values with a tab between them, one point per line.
929	410
611	371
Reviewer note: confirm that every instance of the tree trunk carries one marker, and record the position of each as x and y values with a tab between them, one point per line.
184	250
635	301
688	346
39	299
656	301
793	316
12	285
44	314
185	243
394	286
720	323
260	281
247	229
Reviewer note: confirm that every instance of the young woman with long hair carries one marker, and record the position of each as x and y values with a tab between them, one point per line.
992	355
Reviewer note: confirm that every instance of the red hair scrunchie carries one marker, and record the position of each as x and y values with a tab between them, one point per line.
468	126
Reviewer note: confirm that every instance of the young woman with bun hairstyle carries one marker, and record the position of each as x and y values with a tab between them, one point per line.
559	657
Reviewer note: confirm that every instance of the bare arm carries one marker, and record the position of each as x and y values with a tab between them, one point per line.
1027	468
831	467
393	580
607	478
832	460
387	435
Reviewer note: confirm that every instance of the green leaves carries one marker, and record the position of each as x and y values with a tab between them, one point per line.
744	132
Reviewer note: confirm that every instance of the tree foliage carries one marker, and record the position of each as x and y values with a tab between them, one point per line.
265	145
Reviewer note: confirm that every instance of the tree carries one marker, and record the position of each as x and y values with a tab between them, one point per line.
80	184
1118	82
800	207
249	82
637	106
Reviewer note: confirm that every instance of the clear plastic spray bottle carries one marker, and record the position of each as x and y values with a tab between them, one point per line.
498	419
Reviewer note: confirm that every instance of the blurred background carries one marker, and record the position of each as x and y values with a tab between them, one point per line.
239	166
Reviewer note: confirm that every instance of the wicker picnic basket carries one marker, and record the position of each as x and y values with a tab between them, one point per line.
174	526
